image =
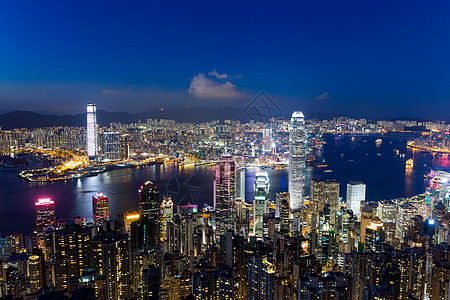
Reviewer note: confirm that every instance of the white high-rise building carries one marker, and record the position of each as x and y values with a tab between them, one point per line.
356	193
297	159
91	132
240	183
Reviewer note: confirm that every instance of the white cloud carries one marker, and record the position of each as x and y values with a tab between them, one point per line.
204	87
323	96
112	92
217	75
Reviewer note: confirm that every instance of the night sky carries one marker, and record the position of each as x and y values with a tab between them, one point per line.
368	58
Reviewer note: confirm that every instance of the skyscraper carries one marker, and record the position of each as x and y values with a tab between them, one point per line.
45	214
35	272
124	146
166	215
324	192
283	211
72	253
149	200
111	257
91	132
297	156
240	183
111	145
356	193
100	207
260	201
224	194
147	230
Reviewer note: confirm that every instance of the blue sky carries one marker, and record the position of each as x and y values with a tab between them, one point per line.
371	58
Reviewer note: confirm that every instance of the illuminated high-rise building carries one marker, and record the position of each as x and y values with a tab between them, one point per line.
356	193
224	194
111	257
124	146
324	192
261	277
72	253
166	215
240	183
36	272
129	218
267	140
45	214
149	200
283	211
111	145
297	159
148	227
260	202
92	132
100	207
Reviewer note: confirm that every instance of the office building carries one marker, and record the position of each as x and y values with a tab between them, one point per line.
100	207
72	253
45	214
111	257
36	273
124	146
260	201
283	211
147	229
297	159
149	201
356	193
166	215
111	145
224	194
92	132
323	192
240	183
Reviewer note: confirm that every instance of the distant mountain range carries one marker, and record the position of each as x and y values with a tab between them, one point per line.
28	119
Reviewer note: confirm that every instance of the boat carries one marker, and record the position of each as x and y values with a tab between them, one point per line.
410	162
378	141
322	166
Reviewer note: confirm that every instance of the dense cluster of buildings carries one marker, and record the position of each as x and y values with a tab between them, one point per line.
188	141
296	246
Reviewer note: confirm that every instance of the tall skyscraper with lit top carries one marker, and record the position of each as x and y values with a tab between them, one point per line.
91	132
224	194
297	159
45	214
100	207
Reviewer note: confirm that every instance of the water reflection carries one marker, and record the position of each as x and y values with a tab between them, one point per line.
379	167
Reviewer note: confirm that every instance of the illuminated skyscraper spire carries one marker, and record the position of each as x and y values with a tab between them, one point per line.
297	156
91	132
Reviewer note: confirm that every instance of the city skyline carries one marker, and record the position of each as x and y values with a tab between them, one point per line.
233	150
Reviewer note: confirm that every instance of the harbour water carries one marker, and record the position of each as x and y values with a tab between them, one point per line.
342	158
